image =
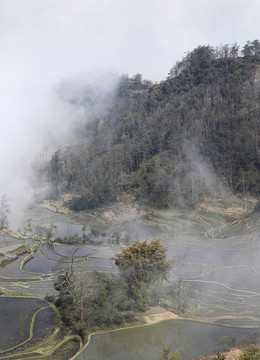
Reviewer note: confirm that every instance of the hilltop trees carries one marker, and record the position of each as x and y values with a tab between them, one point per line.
172	143
195	64
251	48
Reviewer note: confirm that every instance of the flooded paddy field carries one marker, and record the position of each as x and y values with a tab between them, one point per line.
191	339
220	272
220	257
25	322
219	276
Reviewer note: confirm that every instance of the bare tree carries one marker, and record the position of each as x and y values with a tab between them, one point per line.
4	211
178	269
55	169
165	351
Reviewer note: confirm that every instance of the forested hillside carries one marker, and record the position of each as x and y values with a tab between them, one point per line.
172	143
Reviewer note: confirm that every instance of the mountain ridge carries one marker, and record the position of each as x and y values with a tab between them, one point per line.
173	143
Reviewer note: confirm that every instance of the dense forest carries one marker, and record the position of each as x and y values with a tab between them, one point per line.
173	143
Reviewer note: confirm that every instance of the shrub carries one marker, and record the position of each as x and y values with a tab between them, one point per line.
251	353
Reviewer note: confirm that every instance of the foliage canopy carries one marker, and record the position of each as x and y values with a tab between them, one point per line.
172	143
251	353
143	262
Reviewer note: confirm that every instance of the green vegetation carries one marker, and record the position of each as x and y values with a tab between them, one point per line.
167	354
174	143
89	301
251	353
143	262
141	266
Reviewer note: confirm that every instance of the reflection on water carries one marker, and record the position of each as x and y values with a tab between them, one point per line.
7	240
12	270
66	250
220	276
66	228
40	264
190	338
15	317
222	256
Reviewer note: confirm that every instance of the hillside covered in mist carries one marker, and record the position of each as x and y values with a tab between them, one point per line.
173	143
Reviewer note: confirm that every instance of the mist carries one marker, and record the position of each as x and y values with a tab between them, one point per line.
59	120
47	48
74	103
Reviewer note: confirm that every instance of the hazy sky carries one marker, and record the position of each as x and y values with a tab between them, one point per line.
45	41
50	39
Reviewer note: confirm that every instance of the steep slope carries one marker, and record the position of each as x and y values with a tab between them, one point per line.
173	143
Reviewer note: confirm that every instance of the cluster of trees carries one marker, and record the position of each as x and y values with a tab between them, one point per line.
172	143
251	48
91	300
202	56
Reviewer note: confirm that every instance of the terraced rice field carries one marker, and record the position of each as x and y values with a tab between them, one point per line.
220	257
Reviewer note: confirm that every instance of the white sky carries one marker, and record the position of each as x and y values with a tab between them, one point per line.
45	41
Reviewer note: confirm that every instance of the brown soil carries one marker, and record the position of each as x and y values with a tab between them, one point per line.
228	211
231	354
156	314
55	208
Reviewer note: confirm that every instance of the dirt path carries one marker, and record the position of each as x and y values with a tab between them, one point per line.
156	314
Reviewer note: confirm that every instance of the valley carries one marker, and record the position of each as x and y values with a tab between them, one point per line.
219	274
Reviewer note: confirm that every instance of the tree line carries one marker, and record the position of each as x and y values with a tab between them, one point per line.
171	143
